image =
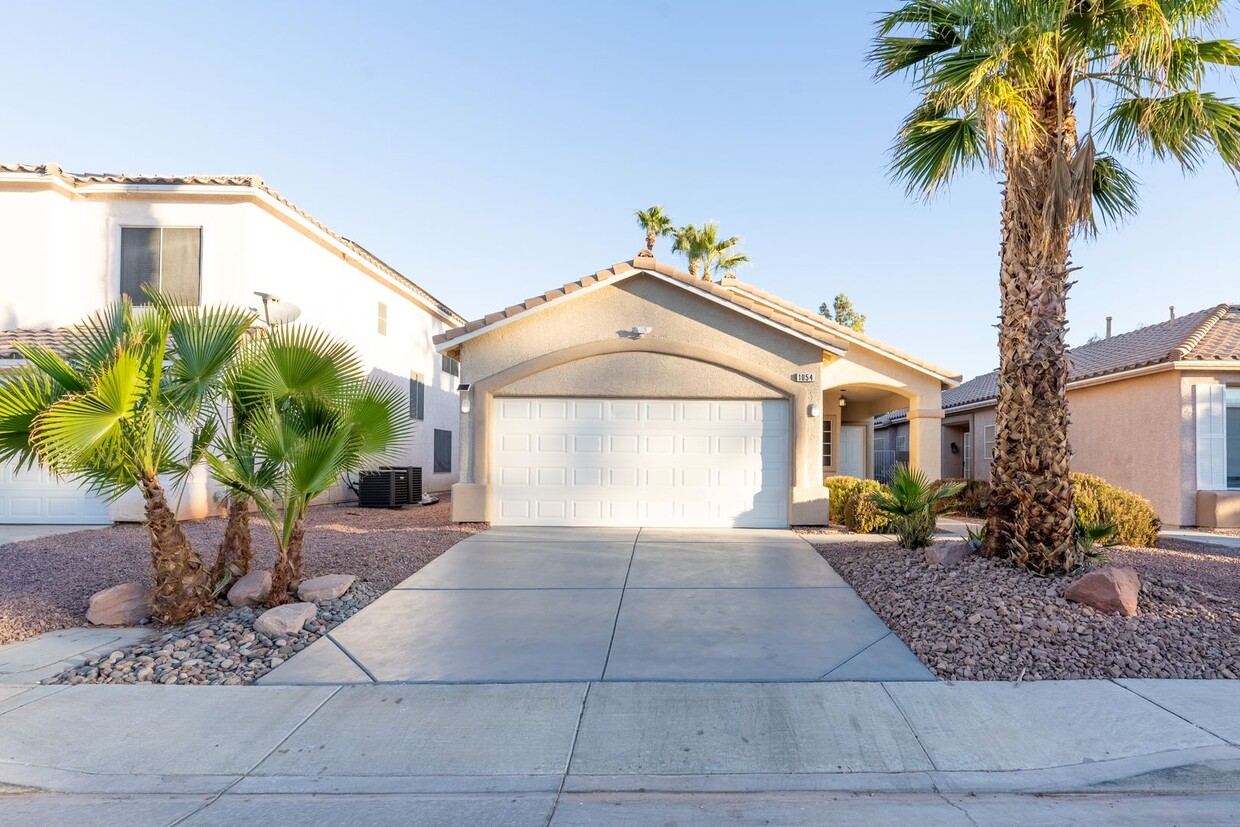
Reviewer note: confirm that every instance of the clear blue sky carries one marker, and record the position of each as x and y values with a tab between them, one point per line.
493	150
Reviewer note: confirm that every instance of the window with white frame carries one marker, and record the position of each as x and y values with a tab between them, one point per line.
168	259
901	442
417	397
443	451
1232	428
826	443
381	324
988	442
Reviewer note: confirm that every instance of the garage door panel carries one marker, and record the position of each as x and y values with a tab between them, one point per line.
641	462
35	496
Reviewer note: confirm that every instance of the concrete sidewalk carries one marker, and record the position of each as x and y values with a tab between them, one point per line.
622	753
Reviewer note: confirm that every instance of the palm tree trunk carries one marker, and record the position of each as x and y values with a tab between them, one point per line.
181	590
650	240
693	267
236	552
1031	518
294	549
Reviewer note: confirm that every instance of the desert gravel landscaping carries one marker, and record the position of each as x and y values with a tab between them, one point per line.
45	583
984	620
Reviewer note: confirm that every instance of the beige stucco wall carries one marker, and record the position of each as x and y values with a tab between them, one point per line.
629	374
696	349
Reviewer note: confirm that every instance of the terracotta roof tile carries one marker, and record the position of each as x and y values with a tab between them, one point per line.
1211	334
54	338
75	179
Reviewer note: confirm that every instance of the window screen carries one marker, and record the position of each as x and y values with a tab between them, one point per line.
450	366
443	451
166	258
988	440
417	397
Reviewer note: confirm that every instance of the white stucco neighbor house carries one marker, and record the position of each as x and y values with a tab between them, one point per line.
72	243
640	395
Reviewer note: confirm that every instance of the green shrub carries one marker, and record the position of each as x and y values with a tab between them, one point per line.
973	500
1100	503
840	489
862	514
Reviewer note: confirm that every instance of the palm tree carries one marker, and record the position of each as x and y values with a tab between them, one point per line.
311	417
692	242
113	410
656	223
1002	83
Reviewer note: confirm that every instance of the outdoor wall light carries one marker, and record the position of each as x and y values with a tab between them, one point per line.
639	332
815	410
463	390
843	401
955	448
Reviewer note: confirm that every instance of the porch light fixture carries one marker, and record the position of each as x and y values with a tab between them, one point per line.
815	410
843	401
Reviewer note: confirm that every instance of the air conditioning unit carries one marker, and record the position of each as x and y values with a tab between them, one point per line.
414	476
383	489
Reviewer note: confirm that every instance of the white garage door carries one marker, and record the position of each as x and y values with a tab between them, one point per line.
640	462
34	496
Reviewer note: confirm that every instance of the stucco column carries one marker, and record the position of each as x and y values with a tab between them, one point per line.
925	440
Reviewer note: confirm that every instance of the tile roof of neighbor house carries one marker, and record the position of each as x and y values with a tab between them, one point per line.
782	313
1207	335
53	338
76	179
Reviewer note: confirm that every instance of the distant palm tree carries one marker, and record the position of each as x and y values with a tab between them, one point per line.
656	223
1000	82
706	251
111	410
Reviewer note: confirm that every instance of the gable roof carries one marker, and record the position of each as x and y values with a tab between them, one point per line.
743	298
643	262
84	180
817	320
1206	335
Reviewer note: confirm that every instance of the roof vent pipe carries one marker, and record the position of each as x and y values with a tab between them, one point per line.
1108	327
1173	312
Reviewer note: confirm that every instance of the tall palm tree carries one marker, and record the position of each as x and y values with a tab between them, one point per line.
1032	89
114	411
656	223
706	251
311	417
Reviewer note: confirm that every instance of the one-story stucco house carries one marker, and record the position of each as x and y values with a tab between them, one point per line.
1155	410
641	395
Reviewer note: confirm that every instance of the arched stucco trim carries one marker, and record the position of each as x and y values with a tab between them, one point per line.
484	390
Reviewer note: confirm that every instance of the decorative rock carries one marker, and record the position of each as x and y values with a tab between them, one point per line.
123	605
251	589
285	620
1113	589
327	587
948	554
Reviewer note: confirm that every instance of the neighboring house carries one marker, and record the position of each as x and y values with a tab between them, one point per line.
1156	411
72	243
641	395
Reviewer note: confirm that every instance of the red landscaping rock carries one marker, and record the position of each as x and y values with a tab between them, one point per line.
1113	589
123	605
948	554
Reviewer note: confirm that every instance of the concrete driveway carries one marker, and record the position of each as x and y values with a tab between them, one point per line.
516	605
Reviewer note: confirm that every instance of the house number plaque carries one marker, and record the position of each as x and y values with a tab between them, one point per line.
803	377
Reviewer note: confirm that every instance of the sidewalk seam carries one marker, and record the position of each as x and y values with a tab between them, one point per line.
349	655
857	654
933	766
572	750
1177	715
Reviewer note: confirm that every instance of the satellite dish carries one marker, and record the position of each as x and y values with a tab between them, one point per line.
277	311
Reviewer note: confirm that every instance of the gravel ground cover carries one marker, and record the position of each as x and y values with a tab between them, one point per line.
223	649
984	620
45	583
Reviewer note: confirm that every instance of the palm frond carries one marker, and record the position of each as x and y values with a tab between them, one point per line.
932	149
25	392
53	365
1114	194
1183	125
86	423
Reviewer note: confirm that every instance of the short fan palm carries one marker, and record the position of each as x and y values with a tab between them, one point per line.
126	406
913	502
1014	85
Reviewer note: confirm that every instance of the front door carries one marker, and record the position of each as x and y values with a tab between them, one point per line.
852	451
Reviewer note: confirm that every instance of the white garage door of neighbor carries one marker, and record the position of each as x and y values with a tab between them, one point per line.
640	462
35	497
